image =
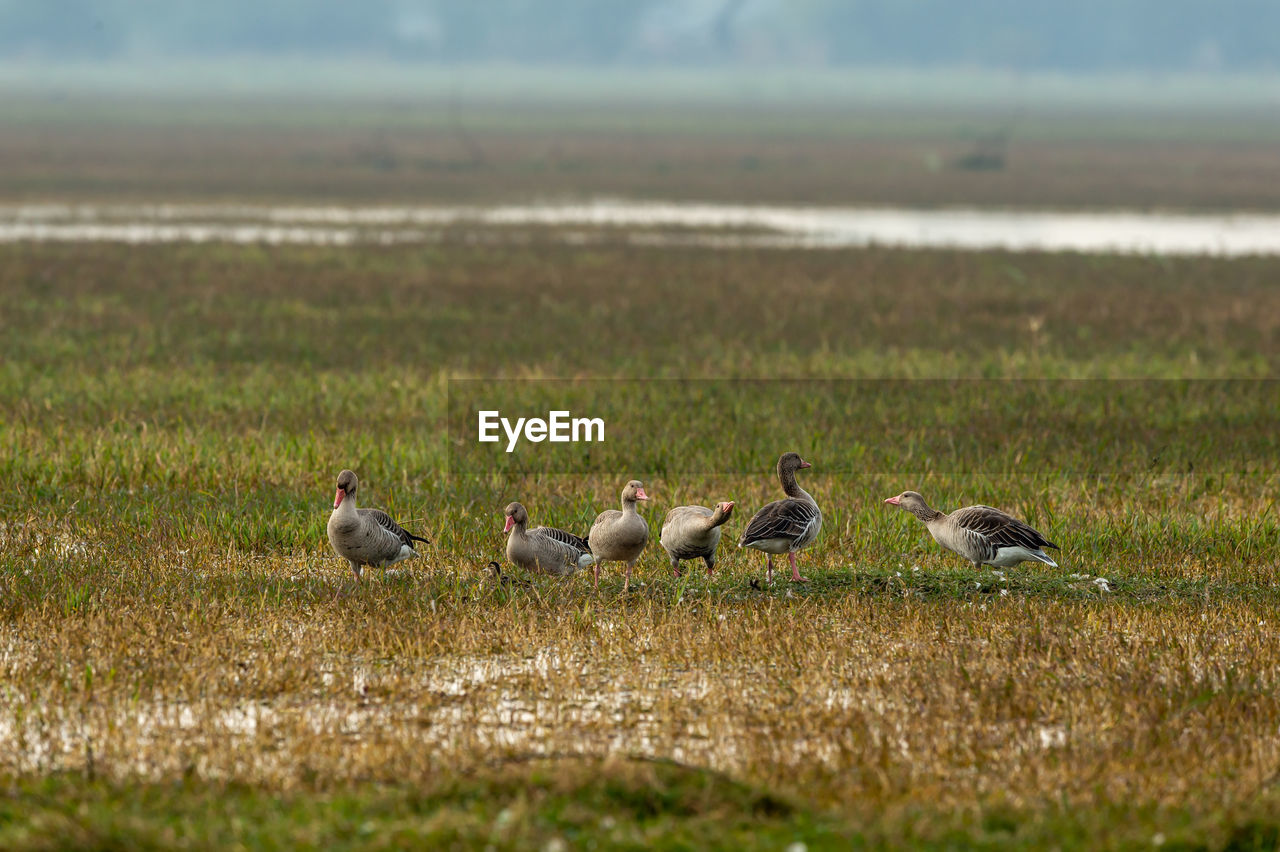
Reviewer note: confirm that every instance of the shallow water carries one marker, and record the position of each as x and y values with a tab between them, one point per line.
658	224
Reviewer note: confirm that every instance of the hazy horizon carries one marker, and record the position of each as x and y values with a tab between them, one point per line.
1132	36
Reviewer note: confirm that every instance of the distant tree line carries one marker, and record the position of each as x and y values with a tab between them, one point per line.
1077	36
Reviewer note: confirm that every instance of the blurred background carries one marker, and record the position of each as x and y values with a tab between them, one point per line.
1136	103
1142	36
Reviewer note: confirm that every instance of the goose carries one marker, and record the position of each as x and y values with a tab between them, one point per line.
693	532
981	534
544	549
620	536
366	536
788	525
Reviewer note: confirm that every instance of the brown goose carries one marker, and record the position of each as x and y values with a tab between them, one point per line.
981	534
693	532
620	536
544	549
785	526
366	536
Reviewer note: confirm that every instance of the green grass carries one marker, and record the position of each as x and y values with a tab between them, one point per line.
184	663
557	804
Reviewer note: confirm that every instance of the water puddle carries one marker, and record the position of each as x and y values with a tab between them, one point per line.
655	224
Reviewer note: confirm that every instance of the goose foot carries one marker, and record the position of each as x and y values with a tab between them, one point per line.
795	572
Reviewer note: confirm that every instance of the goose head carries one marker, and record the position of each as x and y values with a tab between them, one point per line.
789	463
347	485
913	502
633	491
516	514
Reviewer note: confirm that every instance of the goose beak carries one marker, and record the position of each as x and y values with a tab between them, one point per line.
511	522
804	464
640	495
337	498
893	501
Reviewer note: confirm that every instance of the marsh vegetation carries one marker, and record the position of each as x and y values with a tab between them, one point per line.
180	666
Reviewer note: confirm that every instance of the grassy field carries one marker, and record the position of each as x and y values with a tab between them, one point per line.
183	663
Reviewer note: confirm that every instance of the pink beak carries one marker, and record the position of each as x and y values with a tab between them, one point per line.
893	501
337	498
640	495
511	522
804	464
728	505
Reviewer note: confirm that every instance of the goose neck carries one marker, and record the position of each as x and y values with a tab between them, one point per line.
793	489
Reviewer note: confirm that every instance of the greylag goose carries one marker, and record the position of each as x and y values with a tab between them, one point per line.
693	532
620	536
366	536
981	534
788	525
544	549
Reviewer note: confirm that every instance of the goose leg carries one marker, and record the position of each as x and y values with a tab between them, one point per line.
626	583
795	573
768	575
595	575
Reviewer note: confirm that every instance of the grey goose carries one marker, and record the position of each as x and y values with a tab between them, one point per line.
693	532
981	534
788	525
366	536
545	549
620	536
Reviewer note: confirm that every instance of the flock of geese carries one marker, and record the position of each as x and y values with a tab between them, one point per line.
980	534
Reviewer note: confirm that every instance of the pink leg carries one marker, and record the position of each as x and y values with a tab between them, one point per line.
595	574
626	583
768	575
795	573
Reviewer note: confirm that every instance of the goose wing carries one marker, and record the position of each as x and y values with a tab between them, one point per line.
999	528
787	519
563	537
385	521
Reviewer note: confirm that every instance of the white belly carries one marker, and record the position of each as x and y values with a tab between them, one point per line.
772	545
1007	557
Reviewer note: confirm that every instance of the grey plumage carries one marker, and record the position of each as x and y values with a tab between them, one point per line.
620	536
981	534
788	525
545	549
693	532
366	536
